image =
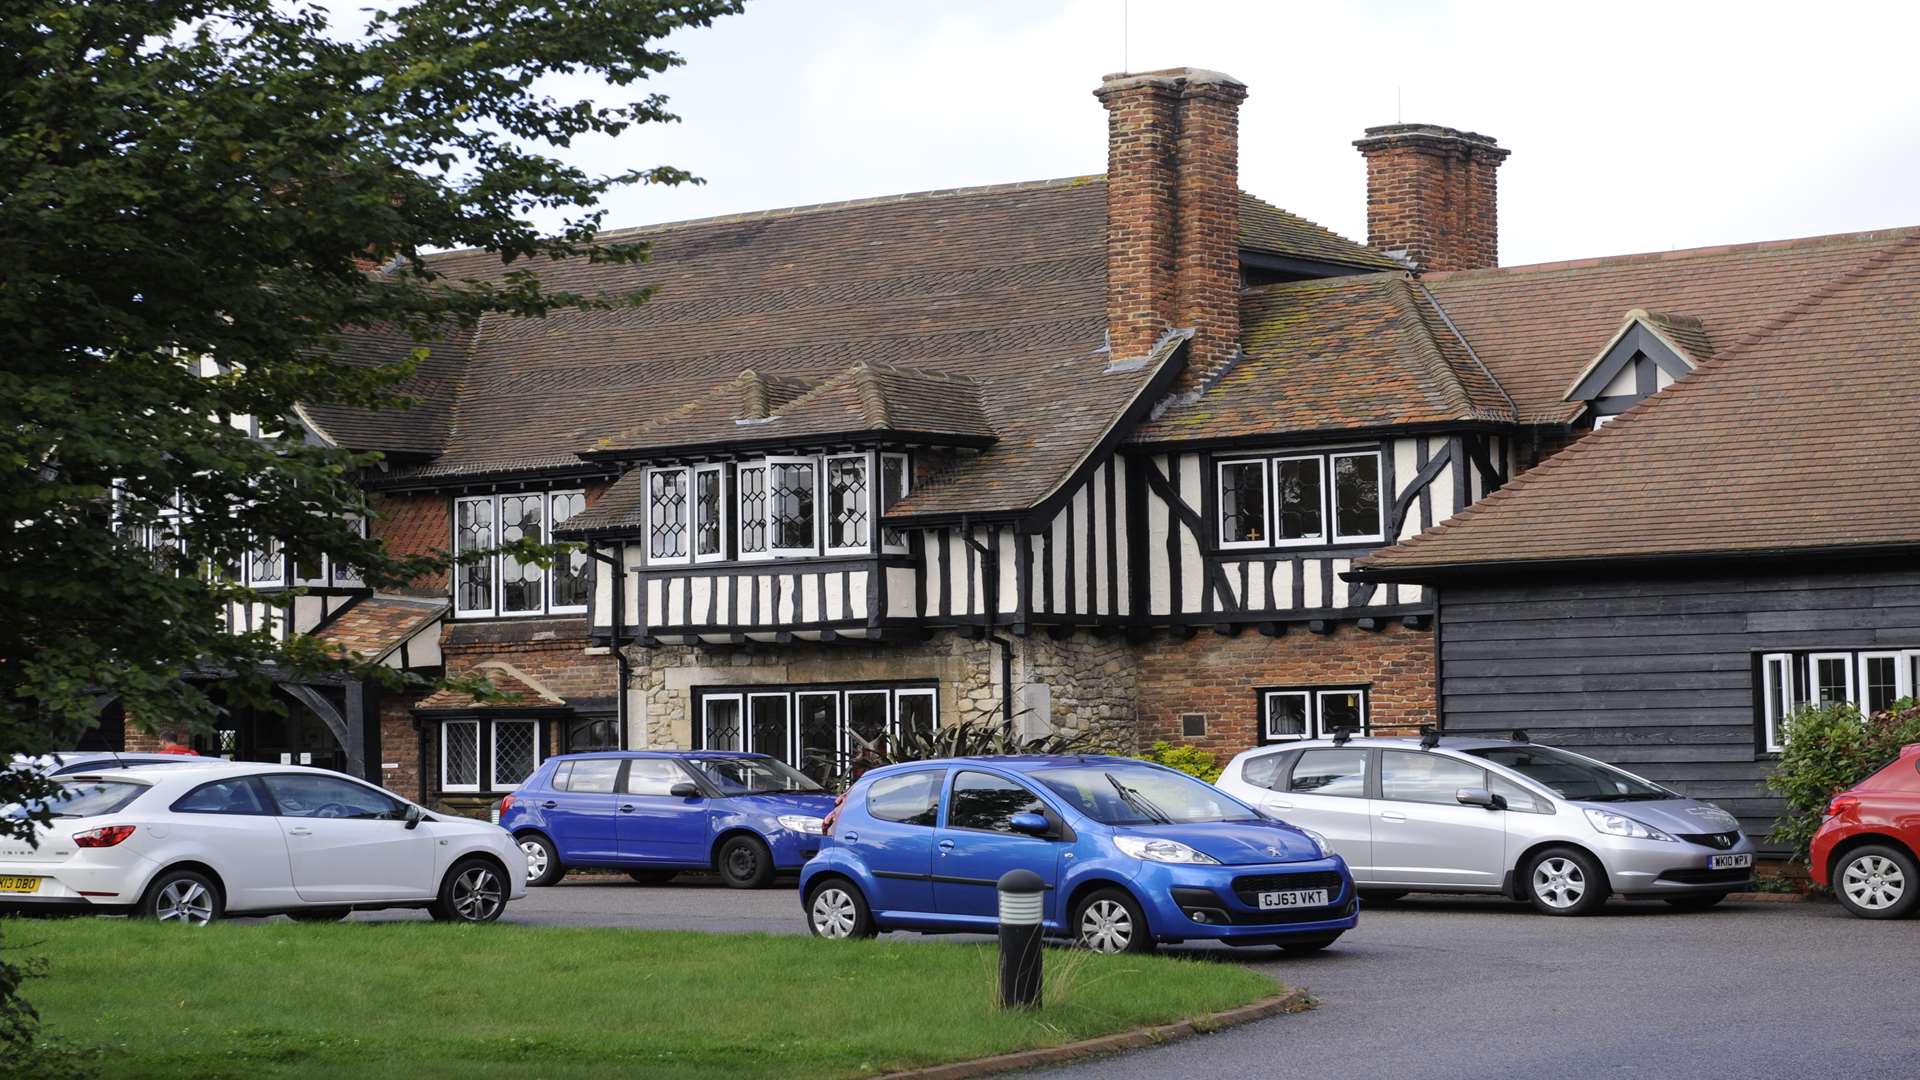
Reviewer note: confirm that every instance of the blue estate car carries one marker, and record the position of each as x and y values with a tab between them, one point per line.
1133	854
654	814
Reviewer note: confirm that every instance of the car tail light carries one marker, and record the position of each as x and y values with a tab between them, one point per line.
1842	804
104	836
506	804
833	815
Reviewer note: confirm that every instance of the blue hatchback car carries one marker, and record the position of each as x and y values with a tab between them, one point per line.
1133	854
654	814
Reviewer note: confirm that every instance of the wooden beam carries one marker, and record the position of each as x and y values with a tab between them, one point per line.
1415	622
1369	624
783	637
1139	635
1321	626
1227	629
1018	629
1180	632
1273	629
1060	632
829	635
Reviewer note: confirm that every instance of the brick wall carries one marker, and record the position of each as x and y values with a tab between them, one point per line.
1218	676
1173	213
399	746
1432	196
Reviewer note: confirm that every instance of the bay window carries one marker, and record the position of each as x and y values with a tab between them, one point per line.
791	499
774	507
896	479
709	513
1299	500
488	582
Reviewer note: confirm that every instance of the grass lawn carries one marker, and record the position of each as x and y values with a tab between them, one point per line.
423	1001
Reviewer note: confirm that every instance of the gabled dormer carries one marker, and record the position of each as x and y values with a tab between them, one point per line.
1649	351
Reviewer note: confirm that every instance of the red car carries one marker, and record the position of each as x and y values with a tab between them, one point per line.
1865	849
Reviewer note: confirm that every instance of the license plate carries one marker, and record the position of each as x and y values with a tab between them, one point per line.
1294	898
19	884
1729	862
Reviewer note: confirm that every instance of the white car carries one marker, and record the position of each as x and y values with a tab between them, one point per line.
192	843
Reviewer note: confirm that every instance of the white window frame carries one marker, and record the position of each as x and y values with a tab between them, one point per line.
686	478
933	698
720	507
493	751
706	702
346	577
746	720
269	582
823	508
545	587
445	785
1320	712
496	562
847	751
1266	502
1325	535
493	540
819	507
1902	674
880	500
1775	733
553	575
1266	716
1381	499
1813	677
741	519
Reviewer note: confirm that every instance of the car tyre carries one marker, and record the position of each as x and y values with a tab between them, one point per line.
543	860
1876	881
182	896
472	892
837	911
1696	901
1308	946
744	863
321	914
1565	881
1110	921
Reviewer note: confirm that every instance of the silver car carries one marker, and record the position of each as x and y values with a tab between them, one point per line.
1511	817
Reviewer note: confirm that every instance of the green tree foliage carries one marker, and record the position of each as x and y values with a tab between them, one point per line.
208	178
1188	759
1829	749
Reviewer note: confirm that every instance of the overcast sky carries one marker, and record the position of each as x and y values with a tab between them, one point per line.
1634	127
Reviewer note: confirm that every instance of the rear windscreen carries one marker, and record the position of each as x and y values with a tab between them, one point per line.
80	798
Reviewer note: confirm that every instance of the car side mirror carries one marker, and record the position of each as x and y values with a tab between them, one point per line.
414	816
1030	824
1479	796
684	790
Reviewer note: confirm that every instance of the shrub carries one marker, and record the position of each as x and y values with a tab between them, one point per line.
1188	759
1829	748
965	738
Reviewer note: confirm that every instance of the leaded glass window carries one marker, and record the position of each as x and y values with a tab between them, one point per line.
460	755
721	725
895	480
521	584
767	724
516	752
268	566
667	515
709	512
752	480
1243	503
473	576
847	503
1356	496
1297	501
790	508
570	584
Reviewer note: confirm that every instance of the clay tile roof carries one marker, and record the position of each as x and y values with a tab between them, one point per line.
378	624
1338	353
1686	334
1796	435
1266	228
520	691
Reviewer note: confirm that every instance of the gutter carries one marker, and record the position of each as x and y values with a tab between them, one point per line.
993	608
1431	573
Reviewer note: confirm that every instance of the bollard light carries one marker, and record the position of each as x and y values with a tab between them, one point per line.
1023	901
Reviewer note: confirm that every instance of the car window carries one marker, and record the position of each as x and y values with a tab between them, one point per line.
594	776
1407	776
1571	776
235	796
1142	795
1330	772
911	799
1267	770
983	801
561	773
1518	798
654	776
303	796
79	798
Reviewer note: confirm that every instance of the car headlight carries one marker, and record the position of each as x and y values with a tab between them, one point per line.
1619	825
801	823
1319	842
1167	851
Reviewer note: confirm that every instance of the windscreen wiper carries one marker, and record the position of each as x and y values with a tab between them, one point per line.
1141	805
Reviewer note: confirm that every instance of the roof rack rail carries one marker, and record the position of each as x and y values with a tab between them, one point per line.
1429	737
1520	735
1341	734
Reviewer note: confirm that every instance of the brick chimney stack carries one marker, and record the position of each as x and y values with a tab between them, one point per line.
1431	195
1173	213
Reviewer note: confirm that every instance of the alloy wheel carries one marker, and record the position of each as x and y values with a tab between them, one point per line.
1559	882
184	901
536	853
1874	882
833	913
476	894
1106	926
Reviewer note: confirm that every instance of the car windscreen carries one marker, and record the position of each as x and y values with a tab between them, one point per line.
80	798
1571	776
752	776
1136	795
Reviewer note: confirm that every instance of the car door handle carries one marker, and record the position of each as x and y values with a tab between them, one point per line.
852	838
626	808
1276	804
946	846
1392	815
299	830
548	805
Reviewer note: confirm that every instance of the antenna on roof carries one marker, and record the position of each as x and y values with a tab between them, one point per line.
1520	735
1341	734
1429	737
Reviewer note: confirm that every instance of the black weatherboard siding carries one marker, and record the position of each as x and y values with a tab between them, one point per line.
1657	674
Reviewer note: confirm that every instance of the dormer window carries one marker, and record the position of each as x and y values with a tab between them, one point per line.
783	507
1647	353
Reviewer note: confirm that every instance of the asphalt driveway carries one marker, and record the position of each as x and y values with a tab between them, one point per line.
1452	988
